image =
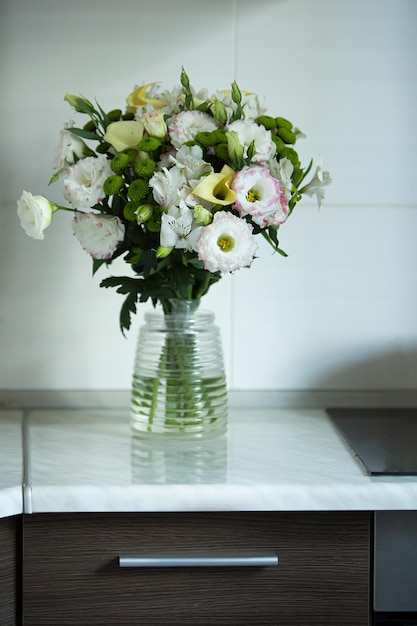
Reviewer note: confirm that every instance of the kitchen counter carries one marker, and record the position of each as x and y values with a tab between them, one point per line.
84	460
11	463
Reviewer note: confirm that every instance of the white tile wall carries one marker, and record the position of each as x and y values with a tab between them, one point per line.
341	311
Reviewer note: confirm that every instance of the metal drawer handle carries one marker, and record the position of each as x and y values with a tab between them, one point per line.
198	561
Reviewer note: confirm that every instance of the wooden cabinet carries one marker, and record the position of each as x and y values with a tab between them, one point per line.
72	575
8	570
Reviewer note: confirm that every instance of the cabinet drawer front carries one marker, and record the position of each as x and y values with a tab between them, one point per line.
8	570
72	572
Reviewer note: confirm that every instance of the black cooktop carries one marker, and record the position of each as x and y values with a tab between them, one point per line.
384	440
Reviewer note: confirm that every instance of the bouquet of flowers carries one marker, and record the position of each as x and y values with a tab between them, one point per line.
179	183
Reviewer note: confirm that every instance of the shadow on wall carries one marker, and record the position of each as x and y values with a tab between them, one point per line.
388	370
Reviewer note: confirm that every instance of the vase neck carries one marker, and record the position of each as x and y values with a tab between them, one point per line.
183	307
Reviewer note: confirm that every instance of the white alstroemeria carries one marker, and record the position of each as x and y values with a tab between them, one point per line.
283	170
83	183
70	148
177	229
35	214
190	160
250	133
260	195
167	185
320	179
186	125
98	233
227	244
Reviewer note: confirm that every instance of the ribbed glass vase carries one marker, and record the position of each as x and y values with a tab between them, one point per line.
179	382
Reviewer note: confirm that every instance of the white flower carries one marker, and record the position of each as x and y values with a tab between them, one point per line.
83	185
186	125
35	214
70	148
190	160
98	233
283	170
227	244
177	229
249	133
320	179
166	186
260	195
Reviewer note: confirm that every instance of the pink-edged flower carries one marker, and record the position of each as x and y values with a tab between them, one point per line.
251	134
227	244
260	195
186	125
98	233
83	183
70	147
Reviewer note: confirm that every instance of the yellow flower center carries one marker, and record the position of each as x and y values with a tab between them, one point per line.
226	243
252	195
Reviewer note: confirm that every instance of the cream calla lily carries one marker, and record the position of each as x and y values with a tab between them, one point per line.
138	98
123	135
215	187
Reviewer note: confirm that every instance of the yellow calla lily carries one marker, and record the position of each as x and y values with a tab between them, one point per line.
215	187
124	134
138	98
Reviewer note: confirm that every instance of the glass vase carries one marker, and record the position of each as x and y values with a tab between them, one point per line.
179	382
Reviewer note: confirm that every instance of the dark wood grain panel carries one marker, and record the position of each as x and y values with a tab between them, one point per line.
8	566
71	573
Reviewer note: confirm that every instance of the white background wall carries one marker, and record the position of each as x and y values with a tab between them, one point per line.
341	311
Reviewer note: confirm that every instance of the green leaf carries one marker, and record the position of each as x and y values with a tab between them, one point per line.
97	263
128	309
85	134
56	176
105	118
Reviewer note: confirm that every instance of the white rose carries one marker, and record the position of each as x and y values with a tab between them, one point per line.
35	214
98	233
83	184
69	145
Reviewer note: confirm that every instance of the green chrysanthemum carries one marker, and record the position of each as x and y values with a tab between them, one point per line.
129	211
113	185
138	190
286	135
145	168
222	151
120	162
149	144
267	121
281	122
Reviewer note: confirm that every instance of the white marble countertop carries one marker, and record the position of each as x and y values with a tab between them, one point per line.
272	459
11	463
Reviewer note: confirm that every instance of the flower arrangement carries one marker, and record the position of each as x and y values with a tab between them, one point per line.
179	183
